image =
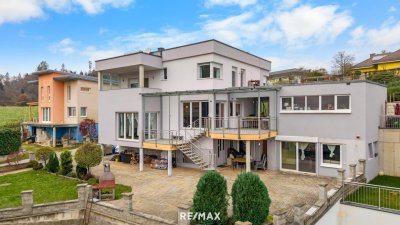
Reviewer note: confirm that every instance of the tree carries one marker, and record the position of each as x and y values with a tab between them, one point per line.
66	162
53	166
87	127
88	155
43	65
211	196
250	199
44	153
63	68
342	63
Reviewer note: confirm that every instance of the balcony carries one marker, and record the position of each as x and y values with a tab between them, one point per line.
390	122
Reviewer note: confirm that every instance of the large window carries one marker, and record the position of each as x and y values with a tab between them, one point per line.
299	156
316	104
46	114
192	112
127	126
110	81
71	111
210	70
331	155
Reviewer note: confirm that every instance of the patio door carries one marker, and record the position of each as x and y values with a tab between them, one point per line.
298	156
219	114
150	125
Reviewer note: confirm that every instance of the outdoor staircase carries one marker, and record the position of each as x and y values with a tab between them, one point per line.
191	148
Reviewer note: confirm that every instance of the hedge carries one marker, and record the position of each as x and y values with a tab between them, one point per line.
10	140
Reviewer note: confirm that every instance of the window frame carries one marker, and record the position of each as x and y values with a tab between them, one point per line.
165	73
80	111
68	112
124	123
88	89
320	110
212	66
69	92
330	165
46	117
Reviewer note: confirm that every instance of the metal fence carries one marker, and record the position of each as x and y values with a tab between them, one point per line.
372	196
392	121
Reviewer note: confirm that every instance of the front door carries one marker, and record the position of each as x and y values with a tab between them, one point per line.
150	125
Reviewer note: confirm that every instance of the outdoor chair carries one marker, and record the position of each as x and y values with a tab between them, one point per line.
262	164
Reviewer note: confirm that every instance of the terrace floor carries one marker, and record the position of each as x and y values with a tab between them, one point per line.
156	193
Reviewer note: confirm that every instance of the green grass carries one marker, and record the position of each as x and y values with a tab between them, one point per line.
15	114
389	197
46	188
35	147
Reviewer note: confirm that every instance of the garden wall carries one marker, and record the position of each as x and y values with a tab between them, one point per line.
389	151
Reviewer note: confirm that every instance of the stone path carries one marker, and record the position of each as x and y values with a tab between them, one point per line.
158	194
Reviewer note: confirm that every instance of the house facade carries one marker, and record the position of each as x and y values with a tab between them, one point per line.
200	104
378	63
64	100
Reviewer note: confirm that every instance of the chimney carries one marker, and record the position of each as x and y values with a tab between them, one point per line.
160	49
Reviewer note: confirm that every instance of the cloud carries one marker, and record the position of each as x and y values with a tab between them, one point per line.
309	24
386	36
94	54
65	46
19	10
241	3
22	10
392	9
289	3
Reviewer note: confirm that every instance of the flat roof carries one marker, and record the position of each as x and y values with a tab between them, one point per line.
128	54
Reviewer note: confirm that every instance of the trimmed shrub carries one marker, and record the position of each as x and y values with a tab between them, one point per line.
53	166
66	162
44	153
211	196
10	140
250	199
88	155
81	171
32	163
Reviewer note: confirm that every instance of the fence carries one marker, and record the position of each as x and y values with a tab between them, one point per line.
372	196
392	121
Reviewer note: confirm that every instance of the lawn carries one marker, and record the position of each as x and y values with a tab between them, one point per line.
46	188
35	147
389	195
16	114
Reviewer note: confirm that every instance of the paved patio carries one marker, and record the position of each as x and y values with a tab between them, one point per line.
156	193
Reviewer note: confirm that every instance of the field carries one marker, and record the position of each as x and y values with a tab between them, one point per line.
15	114
46	188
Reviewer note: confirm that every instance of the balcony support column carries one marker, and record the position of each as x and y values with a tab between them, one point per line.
100	80
54	136
259	113
141	76
140	159
170	163
248	157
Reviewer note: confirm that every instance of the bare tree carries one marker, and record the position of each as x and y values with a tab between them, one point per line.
342	63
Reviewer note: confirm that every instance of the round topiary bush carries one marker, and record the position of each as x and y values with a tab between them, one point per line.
88	155
10	140
250	199
211	197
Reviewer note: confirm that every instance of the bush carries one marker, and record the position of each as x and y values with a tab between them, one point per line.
44	153
53	166
10	140
66	162
250	199
81	171
93	181
211	196
71	174
32	163
88	155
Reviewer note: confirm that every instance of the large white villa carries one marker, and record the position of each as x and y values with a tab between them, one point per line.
206	104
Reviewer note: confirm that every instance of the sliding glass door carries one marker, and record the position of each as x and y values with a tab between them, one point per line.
299	156
150	125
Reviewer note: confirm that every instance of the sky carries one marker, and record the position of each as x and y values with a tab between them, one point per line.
289	33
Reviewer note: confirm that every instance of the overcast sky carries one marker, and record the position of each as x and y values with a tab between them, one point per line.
290	33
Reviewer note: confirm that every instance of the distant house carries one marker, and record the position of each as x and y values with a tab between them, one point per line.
376	63
289	76
64	100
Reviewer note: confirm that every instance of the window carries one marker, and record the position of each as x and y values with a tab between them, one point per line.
376	148
83	111
127	126
298	156
48	93
234	72
46	114
370	151
133	83
69	92
287	103
193	111
210	70
328	102
71	111
331	155
85	89
299	102
165	74
242	77
343	102
312	102
41	93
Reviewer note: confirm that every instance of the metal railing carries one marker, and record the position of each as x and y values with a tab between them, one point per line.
372	196
390	121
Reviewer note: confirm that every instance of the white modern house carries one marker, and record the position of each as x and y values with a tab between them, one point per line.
200	104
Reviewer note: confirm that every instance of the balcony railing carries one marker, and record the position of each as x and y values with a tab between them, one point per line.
390	121
372	196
